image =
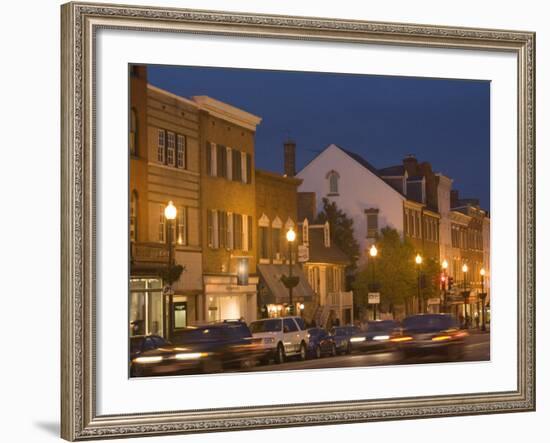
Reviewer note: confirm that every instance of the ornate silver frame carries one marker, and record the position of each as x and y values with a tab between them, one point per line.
80	21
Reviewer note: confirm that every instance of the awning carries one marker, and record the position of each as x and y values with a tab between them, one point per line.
273	291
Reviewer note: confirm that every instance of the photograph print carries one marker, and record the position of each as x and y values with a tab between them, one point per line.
283	220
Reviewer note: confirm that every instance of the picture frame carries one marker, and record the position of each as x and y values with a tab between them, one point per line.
80	24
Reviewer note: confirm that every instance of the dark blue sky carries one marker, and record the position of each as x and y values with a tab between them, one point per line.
383	118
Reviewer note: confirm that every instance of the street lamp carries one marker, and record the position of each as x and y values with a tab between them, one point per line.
373	253
465	294
418	260
290	237
170	213
483	296
444	266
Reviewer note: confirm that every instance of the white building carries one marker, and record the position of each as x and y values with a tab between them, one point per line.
353	184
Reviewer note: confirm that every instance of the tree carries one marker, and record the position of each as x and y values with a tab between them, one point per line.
341	227
395	272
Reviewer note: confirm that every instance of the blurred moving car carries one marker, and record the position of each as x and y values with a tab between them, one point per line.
282	337
142	343
431	334
375	335
207	348
341	336
320	343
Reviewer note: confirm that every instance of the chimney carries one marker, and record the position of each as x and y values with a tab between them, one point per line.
290	158
410	163
454	198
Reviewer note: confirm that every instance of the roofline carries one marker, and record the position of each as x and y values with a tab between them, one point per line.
172	95
227	112
402	196
280	177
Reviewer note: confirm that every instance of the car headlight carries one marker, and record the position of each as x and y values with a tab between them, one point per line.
381	337
269	340
357	339
190	355
146	360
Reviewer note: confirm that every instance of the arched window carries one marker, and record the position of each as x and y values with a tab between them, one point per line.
133	216
133	131
333	178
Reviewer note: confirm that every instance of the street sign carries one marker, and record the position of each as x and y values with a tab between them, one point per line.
303	253
168	290
374	298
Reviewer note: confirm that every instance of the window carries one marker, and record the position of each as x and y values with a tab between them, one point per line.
161	147
182	226
305	232
181	152
326	234
249	232
229	165
406	223
244	168
276	242
237	231
221	161
289	325
237	166
263	233
230	232
161	232
333	178
248	168
133	132
210	228
222	229
133	217
171	149
372	223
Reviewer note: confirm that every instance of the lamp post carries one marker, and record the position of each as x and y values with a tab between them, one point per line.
444	266
418	260
170	213
373	253
465	294
290	237
483	296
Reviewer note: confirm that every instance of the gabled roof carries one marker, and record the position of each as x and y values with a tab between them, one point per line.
359	160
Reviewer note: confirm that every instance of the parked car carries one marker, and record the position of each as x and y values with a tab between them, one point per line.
282	337
207	348
341	336
431	334
375	335
320	343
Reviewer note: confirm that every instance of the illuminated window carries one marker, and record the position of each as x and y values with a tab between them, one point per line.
182	226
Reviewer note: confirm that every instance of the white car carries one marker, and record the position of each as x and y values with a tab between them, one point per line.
283	336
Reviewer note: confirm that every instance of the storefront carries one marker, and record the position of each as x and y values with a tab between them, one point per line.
146	306
274	296
228	300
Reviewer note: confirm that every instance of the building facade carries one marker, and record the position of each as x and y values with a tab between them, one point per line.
228	191
276	211
164	166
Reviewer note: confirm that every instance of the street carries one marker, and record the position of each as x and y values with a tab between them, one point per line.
477	348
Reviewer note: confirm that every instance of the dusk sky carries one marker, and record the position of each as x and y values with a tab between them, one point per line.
382	118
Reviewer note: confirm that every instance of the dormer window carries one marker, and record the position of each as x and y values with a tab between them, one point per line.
305	232
333	177
326	232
